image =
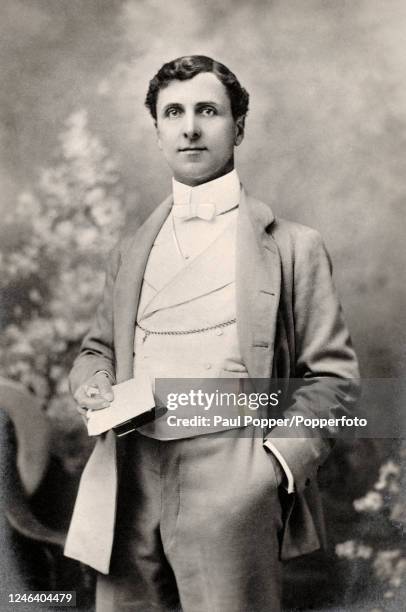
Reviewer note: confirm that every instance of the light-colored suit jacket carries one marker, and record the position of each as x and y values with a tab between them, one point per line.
289	324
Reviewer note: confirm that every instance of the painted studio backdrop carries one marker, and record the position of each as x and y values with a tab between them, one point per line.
325	145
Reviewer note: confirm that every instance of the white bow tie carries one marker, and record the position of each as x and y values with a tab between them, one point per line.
192	210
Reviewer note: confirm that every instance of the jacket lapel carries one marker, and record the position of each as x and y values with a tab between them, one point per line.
258	285
164	262
128	287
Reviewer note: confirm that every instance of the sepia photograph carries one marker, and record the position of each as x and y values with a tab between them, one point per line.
202	306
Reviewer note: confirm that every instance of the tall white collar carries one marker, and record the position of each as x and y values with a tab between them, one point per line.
223	192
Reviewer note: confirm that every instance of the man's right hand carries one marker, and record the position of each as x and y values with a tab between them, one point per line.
95	394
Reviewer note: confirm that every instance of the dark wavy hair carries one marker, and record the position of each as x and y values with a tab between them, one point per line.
187	67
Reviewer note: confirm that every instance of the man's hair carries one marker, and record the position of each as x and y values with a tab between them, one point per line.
187	67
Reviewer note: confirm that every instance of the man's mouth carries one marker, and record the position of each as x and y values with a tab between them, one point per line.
192	149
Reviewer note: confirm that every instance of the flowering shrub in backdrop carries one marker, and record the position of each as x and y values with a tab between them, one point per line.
53	248
380	543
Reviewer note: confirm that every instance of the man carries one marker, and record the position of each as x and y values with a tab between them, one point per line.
211	285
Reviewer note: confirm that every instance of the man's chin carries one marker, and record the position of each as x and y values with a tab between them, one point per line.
193	176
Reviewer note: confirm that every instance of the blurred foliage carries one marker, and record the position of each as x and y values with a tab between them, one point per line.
380	544
52	256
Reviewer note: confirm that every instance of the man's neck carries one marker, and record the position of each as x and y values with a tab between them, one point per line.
222	192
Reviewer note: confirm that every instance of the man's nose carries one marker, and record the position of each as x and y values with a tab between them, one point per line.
191	127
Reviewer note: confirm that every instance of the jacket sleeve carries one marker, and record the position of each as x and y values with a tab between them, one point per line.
97	349
325	363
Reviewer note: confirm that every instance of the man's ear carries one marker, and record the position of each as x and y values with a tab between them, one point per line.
239	126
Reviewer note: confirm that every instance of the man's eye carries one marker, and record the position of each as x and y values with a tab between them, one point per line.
172	112
208	111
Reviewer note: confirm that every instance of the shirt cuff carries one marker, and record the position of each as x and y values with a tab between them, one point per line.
291	482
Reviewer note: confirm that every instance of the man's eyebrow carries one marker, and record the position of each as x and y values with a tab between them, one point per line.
209	103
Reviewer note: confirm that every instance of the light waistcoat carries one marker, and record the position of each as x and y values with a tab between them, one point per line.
178	295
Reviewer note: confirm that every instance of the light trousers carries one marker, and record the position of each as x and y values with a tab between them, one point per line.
198	527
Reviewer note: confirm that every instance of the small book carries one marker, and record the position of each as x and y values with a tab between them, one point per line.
133	405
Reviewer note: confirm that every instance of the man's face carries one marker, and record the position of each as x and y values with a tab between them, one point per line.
196	129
